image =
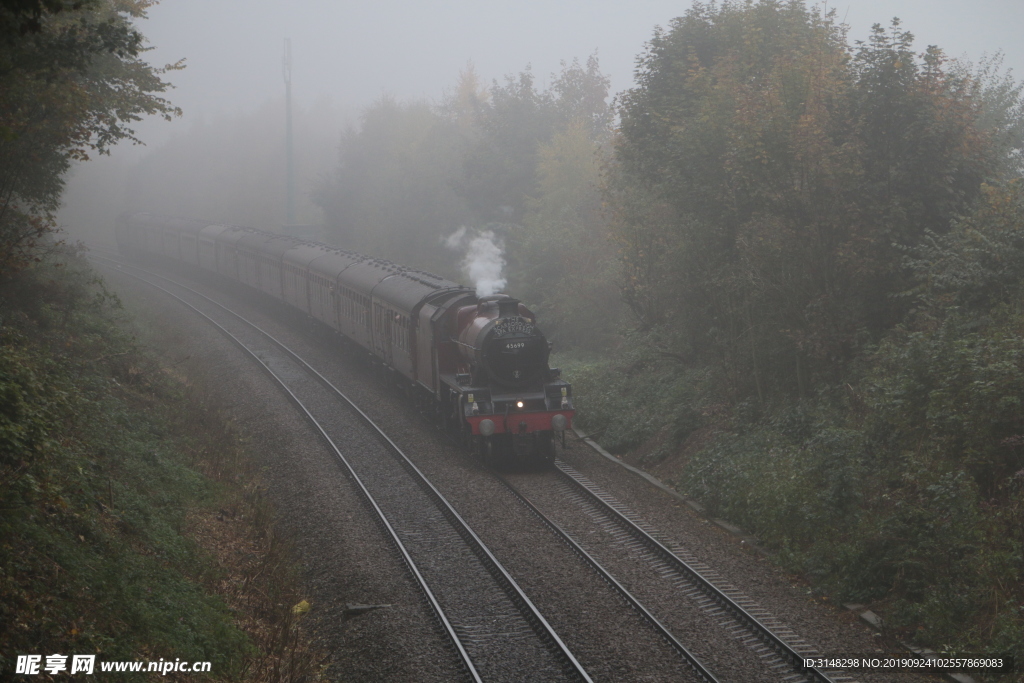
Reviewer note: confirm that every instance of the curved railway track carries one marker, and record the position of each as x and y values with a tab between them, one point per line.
781	650
698	667
482	630
483	638
779	647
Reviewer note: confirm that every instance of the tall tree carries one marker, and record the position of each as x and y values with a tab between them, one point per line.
797	169
393	191
500	170
562	259
502	158
560	255
74	81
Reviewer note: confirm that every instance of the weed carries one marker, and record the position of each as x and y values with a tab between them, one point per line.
101	477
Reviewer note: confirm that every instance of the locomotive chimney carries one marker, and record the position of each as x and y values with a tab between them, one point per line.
508	307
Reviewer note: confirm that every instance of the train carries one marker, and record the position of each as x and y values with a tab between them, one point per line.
479	363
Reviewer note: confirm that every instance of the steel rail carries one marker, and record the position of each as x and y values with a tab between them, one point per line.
367	496
512	589
691	659
738	613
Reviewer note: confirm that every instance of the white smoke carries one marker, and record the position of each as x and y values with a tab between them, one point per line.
484	260
454	240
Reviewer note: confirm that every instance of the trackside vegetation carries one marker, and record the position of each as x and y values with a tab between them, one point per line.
110	467
74	81
821	246
901	487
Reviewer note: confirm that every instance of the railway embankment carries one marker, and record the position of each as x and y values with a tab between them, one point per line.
896	489
133	528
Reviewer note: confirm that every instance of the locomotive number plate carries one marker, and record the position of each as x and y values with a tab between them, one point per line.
513	346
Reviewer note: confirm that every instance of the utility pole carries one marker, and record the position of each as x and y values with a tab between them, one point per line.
289	151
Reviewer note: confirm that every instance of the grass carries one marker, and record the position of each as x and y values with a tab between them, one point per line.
133	525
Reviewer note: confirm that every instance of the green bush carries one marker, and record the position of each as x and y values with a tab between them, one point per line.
95	488
903	487
626	400
902	484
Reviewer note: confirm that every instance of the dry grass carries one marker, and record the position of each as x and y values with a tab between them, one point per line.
256	567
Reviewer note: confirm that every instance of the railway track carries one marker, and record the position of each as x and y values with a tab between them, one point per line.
491	623
698	667
484	638
779	648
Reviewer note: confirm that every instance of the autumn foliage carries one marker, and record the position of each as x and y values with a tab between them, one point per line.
782	172
821	247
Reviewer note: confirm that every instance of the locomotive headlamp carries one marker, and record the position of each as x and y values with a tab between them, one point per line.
486	427
558	423
519	404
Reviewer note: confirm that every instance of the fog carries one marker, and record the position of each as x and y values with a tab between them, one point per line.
346	55
352	52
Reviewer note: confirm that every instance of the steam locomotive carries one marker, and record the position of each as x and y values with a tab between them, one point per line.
480	363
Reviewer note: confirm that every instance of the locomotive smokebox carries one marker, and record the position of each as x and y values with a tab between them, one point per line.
501	343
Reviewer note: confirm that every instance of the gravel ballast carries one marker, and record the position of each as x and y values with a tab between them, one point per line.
345	558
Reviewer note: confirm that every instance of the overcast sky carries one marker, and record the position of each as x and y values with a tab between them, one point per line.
353	51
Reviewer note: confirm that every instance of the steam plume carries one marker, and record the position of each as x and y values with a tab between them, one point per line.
484	259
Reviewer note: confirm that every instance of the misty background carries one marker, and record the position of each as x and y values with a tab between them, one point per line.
224	158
